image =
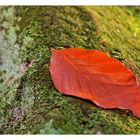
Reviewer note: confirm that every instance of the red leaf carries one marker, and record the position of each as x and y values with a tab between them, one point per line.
93	75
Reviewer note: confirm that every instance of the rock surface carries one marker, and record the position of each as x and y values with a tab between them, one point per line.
29	103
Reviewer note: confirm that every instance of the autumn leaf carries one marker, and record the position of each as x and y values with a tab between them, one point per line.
93	75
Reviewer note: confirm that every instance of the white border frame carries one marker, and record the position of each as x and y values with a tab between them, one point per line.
70	137
69	2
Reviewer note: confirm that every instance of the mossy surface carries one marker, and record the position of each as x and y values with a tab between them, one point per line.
29	103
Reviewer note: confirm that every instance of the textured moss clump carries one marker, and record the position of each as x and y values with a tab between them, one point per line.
36	107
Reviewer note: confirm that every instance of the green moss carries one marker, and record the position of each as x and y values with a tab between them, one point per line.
36	107
118	35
